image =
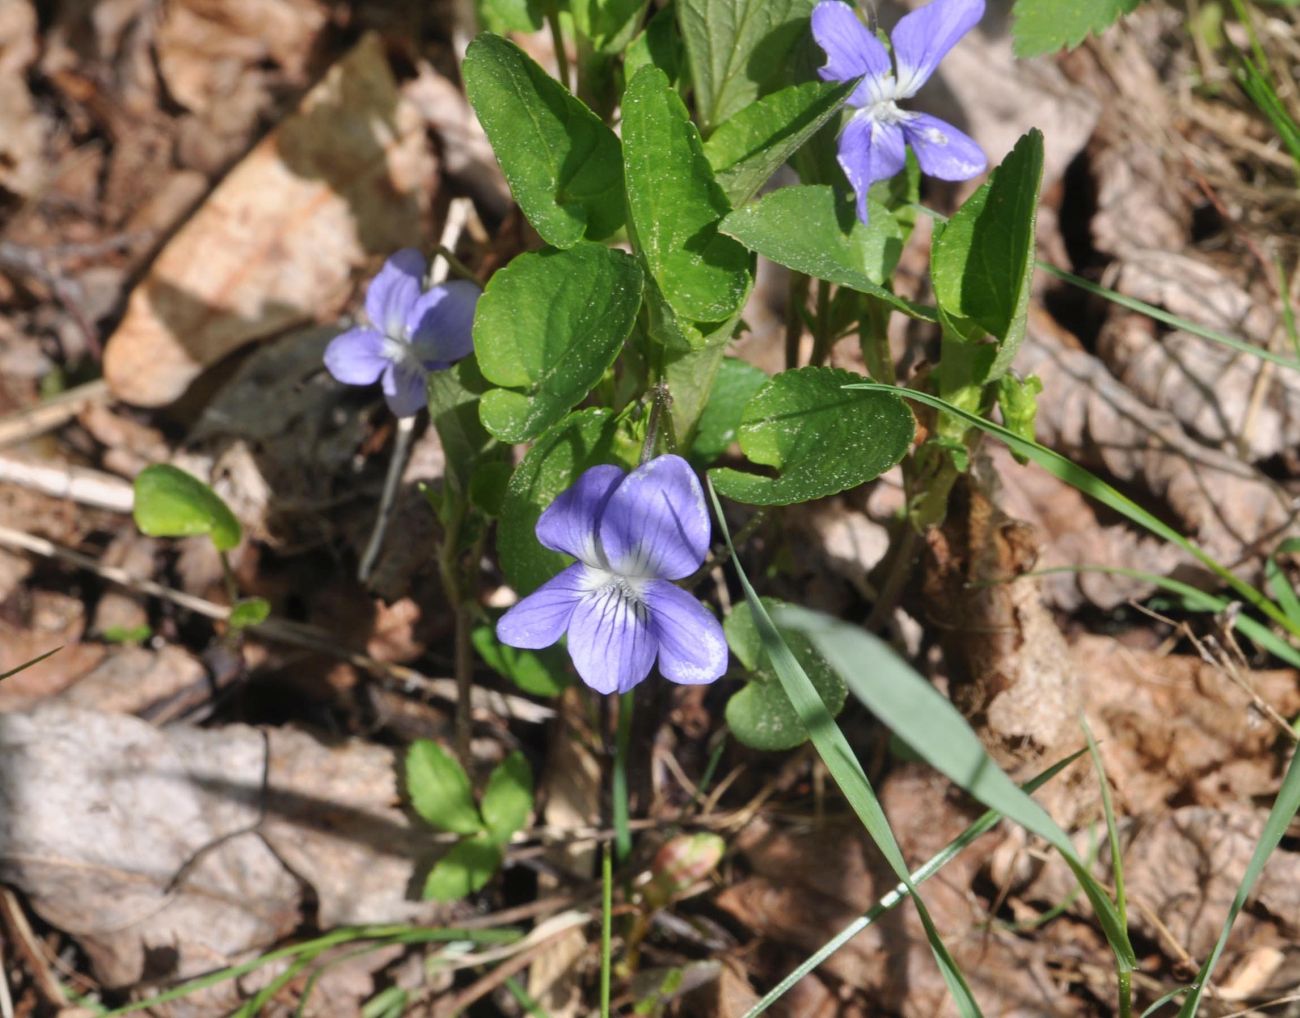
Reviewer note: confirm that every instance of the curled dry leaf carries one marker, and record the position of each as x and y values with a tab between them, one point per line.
342	180
1231	510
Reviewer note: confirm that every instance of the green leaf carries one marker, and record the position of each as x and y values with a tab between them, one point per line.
738	50
124	634
508	797
761	714
171	503
675	204
1280	584
658	44
454	397
982	262
563	164
439	789
928	722
249	611
548	326
837	754
503	16
820	442
554	462
752	145
811	230
465	869
540	672
607	25
735	384
1045	26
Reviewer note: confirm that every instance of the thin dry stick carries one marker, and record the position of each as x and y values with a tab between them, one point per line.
51	413
63	480
283	631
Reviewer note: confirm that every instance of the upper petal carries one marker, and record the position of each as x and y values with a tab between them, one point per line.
441	322
870	151
692	647
569	524
656	522
942	150
542	617
356	357
610	640
394	290
922	38
405	389
851	51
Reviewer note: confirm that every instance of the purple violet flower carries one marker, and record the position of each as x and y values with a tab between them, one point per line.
871	146
631	534
412	331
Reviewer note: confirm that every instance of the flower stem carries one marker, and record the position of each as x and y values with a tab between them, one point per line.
823	337
606	926
618	787
557	40
463	653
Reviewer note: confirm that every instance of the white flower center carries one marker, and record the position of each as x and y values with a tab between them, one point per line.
606	581
884	111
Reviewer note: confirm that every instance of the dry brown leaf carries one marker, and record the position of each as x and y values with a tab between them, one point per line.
1231	510
50	620
131	680
343	180
22	132
103	812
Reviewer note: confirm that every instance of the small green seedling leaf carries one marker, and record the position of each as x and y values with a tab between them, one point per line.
539	672
464	870
982	262
735	385
761	714
676	205
508	798
747	149
581	440
812	230
440	790
819	442
249	611
171	503
564	166
1045	26
1018	401
126	634
548	326
737	50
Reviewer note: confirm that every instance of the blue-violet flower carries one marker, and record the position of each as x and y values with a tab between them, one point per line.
871	146
631	534
412	331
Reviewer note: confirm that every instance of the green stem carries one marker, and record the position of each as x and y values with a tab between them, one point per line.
618	788
463	654
794	318
606	926
823	339
873	336
557	39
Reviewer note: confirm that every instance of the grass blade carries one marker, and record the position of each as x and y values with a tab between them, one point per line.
27	664
919	875
928	722
1090	484
838	756
1280	583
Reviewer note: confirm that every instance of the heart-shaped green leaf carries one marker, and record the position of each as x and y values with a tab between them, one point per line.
760	714
548	326
563	165
171	503
508	797
820	437
439	789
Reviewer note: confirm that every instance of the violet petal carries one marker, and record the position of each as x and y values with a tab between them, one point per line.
394	290
656	523
692	647
851	51
610	640
923	37
870	151
569	524
404	388
441	322
942	150
356	357
541	618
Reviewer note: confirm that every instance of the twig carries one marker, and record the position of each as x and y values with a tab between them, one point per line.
284	631
63	480
51	413
396	467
